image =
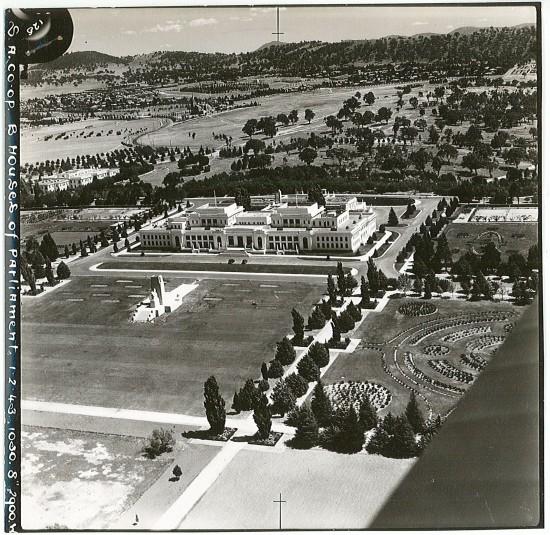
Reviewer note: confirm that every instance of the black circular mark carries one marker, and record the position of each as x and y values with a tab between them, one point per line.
43	35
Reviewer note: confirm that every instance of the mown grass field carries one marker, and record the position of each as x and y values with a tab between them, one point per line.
65	232
323	490
252	267
79	346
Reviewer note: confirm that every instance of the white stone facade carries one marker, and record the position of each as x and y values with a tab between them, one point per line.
343	226
74	178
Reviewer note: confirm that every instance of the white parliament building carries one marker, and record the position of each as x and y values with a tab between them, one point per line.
284	223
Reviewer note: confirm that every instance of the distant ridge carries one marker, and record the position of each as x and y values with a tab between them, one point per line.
271	43
87	59
467	30
293	57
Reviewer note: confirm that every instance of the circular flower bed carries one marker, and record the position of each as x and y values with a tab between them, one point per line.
417	309
436	350
343	394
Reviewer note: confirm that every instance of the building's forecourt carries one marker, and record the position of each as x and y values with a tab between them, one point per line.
291	223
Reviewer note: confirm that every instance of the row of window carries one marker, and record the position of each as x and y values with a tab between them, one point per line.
283	238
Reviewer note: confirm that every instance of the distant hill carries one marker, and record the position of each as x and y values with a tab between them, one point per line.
464	30
271	43
468	30
81	60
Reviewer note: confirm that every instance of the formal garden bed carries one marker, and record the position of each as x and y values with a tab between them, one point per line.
304	342
465	333
342	344
417	309
271	440
419	374
343	394
445	368
473	361
484	341
206	434
436	350
467	319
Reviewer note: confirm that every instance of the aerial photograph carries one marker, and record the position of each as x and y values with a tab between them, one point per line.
268	254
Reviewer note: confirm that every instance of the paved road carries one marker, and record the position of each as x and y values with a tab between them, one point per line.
386	263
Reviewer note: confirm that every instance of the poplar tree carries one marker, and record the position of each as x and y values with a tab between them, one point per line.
214	406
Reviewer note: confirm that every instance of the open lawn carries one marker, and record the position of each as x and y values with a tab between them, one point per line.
82	480
65	232
72	224
233	268
323	490
508	237
388	336
80	347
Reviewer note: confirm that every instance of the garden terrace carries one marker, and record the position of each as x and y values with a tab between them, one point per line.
436	350
473	361
419	374
445	368
467	319
390	353
485	341
465	333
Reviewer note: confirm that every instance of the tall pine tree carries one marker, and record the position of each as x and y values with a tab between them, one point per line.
262	417
214	406
414	415
307	430
321	405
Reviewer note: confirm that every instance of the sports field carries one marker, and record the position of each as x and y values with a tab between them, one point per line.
508	237
322	490
81	348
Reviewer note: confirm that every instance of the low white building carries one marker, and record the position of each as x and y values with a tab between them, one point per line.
75	178
51	184
344	225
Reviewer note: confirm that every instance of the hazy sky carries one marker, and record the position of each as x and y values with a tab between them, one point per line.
129	31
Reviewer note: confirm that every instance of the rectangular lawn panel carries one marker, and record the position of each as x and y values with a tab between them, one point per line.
232	268
89	353
323	490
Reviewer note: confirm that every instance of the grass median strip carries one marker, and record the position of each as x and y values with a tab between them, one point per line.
231	268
